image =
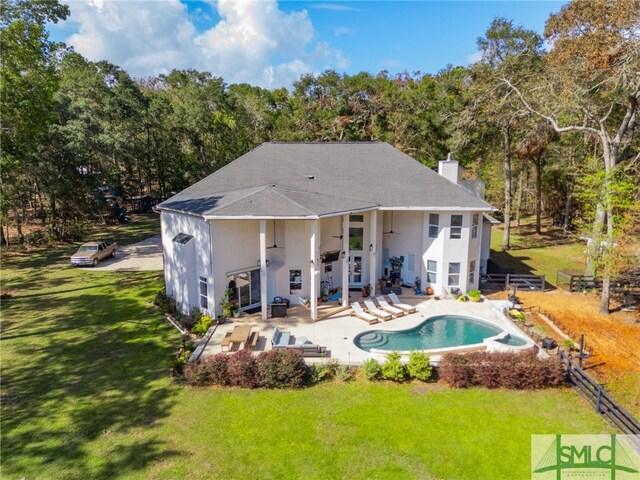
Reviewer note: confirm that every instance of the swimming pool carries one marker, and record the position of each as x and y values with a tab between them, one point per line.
443	331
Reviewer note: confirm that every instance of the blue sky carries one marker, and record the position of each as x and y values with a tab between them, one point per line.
271	43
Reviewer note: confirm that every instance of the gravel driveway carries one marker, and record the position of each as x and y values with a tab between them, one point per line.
144	255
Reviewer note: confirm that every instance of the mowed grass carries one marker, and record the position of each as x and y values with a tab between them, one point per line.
542	254
86	393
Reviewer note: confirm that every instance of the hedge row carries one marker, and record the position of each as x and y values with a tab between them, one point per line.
418	368
272	369
520	371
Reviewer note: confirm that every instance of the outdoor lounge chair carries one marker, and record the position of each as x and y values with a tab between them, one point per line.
358	311
280	339
384	305
374	310
403	306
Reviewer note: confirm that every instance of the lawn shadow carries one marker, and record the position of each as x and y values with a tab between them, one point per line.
86	371
511	262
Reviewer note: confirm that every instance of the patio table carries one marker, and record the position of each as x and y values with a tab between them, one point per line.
240	334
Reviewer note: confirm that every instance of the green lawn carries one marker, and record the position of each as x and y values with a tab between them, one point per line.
86	394
543	254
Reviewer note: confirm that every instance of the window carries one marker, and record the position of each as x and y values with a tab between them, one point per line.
245	288
356	218
356	238
432	271
295	282
472	272
454	275
434	221
474	225
204	297
456	226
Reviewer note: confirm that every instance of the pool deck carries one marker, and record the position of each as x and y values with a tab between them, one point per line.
337	332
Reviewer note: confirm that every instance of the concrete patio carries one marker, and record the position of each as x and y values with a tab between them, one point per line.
337	332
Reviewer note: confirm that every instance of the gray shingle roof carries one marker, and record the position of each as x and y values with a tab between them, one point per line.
316	179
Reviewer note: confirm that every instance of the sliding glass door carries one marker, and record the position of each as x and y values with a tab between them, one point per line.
246	288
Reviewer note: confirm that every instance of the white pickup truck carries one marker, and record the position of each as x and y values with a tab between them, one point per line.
92	252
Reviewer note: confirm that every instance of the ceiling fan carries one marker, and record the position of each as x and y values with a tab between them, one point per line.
274	237
391	232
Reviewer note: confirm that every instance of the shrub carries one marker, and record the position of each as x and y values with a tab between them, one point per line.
217	369
569	343
281	369
520	371
463	298
393	369
419	366
202	325
343	373
474	295
162	301
196	374
195	314
38	237
371	369
318	372
180	362
456	370
242	368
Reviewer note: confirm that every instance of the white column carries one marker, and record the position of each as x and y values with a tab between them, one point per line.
373	249
263	269
345	260
313	269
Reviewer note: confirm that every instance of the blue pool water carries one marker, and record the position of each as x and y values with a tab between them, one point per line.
436	332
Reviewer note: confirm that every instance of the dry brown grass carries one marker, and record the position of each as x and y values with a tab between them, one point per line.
615	339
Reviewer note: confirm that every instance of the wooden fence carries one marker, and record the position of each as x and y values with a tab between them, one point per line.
580	283
509	280
596	394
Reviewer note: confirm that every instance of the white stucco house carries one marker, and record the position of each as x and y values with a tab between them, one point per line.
285	217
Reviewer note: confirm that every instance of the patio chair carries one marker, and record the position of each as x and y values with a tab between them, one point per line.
403	306
384	305
374	310
280	339
358	311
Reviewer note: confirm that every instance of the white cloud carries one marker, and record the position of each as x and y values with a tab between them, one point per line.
254	41
474	57
335	7
343	31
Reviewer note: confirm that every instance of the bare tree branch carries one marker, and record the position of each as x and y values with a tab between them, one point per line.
551	120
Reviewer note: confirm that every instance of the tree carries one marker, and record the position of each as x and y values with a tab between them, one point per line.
492	111
27	83
591	85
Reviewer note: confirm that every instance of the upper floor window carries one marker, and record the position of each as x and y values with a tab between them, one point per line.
456	226
434	222
474	225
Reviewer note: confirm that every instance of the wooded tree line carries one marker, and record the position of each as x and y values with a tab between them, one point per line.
552	130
